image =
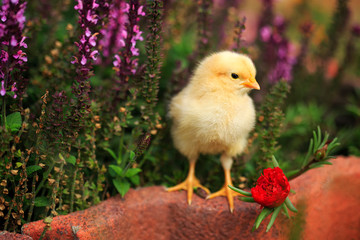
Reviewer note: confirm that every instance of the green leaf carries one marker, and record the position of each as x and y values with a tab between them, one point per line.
115	171
247	199
13	121
18	164
319	137
71	159
122	186
41	202
132	171
135	179
132	155
324	140
273	217
316	165
305	161
315	142
289	205
326	163
111	152
18	153
245	193
31	169
285	210
275	163
264	213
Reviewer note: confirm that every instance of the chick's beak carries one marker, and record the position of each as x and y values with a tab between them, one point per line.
251	83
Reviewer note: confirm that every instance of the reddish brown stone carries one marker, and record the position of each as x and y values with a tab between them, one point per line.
4	235
328	199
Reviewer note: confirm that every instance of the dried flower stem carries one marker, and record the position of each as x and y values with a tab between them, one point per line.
154	59
239	29
270	119
203	21
33	195
72	189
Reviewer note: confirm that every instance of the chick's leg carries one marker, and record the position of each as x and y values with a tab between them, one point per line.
226	162
189	184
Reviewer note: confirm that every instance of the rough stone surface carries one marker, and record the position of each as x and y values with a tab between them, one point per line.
328	200
4	235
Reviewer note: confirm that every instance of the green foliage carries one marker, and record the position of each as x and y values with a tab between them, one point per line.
123	176
13	121
319	151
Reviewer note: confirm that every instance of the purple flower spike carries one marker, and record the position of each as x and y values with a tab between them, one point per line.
12	56
277	51
115	33
133	34
84	59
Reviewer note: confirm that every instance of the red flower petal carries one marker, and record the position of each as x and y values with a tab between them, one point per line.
272	188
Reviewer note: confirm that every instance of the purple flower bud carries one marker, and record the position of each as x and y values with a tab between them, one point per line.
4	56
75	60
87	32
3	91
83	60
117	61
13	41
356	30
265	33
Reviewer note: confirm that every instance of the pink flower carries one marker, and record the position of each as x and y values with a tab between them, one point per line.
117	61
94	54
20	55
22	43
92	39
140	11
79	6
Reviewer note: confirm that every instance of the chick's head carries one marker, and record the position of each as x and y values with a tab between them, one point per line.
228	69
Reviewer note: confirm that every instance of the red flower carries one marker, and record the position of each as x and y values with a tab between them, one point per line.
271	188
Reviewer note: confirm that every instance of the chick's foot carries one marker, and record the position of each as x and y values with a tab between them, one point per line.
189	184
226	191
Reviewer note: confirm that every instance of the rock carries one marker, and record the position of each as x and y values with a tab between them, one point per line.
4	235
327	199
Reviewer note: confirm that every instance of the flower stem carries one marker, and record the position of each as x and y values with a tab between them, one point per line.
4	111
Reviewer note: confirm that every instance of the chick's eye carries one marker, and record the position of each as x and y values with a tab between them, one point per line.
234	76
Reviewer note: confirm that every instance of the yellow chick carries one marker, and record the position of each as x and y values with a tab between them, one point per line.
213	114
